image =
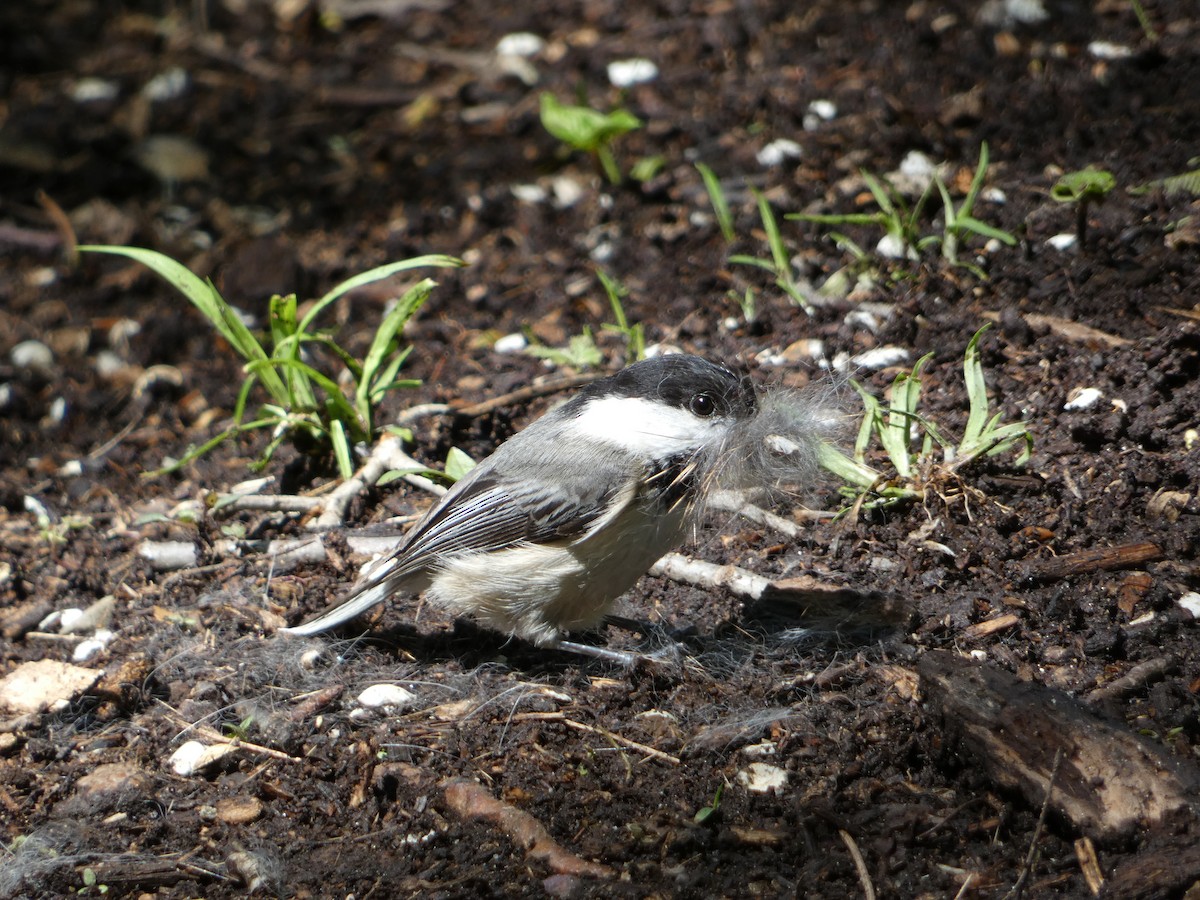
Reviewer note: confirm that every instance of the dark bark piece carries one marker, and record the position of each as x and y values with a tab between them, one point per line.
1109	782
1123	556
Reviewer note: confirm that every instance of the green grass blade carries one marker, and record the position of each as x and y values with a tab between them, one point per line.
436	260
205	297
412	300
339	407
774	239
716	196
976	391
343	450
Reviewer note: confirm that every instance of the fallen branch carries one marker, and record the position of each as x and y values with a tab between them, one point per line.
1110	782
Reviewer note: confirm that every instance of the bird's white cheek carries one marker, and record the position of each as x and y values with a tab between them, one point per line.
646	428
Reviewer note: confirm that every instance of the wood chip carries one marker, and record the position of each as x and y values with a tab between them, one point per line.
991	626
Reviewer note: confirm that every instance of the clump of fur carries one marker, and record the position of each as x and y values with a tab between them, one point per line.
778	450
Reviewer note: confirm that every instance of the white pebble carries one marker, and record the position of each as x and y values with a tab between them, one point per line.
94	90
880	357
1082	398
778	152
917	165
85	650
766	748
511	343
993	195
567	192
892	246
1109	50
1063	242
168	555
529	193
194	757
824	109
520	43
166	85
762	778
625	73
32	355
390	696
1191	602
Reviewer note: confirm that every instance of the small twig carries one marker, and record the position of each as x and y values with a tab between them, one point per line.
623	741
710	575
1031	857
1142	673
213	735
1123	556
860	864
387	456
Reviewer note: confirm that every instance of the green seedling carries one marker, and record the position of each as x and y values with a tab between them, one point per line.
903	224
1083	188
240	731
908	439
581	352
707	812
716	195
589	130
635	335
305	405
958	223
780	263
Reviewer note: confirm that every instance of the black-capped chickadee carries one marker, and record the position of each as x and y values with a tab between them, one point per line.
541	537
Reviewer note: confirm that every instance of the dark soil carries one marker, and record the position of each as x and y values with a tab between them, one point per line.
336	141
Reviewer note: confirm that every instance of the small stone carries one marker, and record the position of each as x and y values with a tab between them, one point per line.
239	810
511	343
194	757
111	778
95	90
762	778
778	152
33	355
1082	398
387	696
1191	602
521	43
1063	242
45	684
880	357
625	73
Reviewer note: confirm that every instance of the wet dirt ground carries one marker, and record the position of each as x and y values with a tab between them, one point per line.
992	690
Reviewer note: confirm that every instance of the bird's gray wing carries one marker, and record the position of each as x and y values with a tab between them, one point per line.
485	511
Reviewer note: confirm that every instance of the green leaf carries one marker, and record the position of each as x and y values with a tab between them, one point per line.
1090	184
458	464
582	127
343	451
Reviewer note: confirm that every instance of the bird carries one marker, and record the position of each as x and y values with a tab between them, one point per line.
540	539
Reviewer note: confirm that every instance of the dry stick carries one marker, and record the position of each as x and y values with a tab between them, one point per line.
1031	856
1123	556
864	877
709	575
1142	673
623	741
214	735
388	455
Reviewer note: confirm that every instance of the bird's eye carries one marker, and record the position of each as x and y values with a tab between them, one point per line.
703	405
